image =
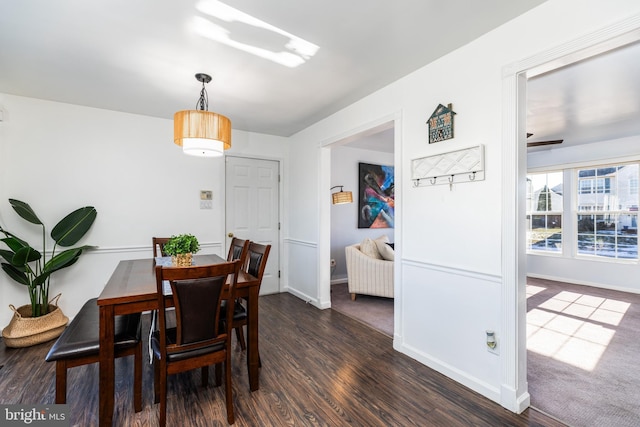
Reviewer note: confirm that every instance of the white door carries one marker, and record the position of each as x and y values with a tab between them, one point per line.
252	210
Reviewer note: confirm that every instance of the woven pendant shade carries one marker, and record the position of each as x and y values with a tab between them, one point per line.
202	133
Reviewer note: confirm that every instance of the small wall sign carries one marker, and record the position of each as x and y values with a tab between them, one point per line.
441	124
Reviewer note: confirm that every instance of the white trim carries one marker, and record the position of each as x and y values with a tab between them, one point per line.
301	243
633	158
583	283
145	248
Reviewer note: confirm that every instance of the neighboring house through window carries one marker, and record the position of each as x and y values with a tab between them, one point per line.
603	222
607	211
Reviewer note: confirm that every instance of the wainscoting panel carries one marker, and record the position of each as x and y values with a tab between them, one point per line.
302	258
444	317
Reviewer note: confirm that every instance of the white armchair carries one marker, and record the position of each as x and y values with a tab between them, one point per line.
368	275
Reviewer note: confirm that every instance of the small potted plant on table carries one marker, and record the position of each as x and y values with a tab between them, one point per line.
181	248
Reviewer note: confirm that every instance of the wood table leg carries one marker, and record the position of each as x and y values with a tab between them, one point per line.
253	354
107	365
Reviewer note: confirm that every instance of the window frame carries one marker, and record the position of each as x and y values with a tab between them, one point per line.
530	250
613	190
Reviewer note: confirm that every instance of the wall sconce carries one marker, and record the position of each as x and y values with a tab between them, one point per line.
341	197
491	340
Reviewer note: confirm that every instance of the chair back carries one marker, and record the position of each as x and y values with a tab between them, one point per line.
158	245
238	250
197	293
257	257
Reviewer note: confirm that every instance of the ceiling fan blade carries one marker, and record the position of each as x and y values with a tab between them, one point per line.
541	143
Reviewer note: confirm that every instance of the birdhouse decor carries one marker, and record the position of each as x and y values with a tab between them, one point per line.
441	124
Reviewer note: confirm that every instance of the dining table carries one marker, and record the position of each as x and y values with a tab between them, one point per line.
132	289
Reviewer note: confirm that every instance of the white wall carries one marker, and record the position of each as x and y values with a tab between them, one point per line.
605	273
58	157
344	218
450	287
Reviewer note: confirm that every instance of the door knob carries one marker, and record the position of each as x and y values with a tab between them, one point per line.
230	234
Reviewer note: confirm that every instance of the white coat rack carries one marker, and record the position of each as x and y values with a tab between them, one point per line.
453	167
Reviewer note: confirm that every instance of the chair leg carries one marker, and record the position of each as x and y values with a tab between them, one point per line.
156	381
163	395
228	390
353	297
240	336
218	374
137	378
204	373
61	382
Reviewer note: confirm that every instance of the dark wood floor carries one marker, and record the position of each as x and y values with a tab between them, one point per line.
320	368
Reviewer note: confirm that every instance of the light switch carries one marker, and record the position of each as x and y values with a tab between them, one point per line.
206	197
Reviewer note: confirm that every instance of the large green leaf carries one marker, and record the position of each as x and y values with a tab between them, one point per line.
24	210
7	255
14	244
62	260
74	226
15	274
25	255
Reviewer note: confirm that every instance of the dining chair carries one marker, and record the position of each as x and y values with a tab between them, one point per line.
158	246
197	340
257	256
238	249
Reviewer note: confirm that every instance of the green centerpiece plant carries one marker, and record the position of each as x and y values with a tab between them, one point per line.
181	248
30	267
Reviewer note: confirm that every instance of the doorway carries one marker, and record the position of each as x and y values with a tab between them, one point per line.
391	125
514	166
577	338
252	193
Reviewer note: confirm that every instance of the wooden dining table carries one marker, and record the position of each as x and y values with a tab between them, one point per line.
132	289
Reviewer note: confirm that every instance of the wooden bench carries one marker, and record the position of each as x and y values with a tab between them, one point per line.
79	345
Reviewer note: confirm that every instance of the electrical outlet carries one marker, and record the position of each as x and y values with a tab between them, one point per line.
492	342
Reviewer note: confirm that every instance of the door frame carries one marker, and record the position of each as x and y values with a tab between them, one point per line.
514	393
281	207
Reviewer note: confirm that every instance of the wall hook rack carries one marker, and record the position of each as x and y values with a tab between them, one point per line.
452	167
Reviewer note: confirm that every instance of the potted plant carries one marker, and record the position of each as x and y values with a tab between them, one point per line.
31	268
181	248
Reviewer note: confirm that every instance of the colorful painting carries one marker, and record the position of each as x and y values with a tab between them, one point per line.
376	201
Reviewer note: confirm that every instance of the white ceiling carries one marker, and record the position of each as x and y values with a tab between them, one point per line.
596	99
140	56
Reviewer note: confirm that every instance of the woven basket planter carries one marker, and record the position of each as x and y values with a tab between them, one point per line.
24	330
182	260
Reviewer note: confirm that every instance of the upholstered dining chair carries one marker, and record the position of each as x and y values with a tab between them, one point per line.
257	256
158	245
198	340
238	249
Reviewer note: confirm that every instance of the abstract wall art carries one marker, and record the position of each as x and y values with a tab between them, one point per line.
376	197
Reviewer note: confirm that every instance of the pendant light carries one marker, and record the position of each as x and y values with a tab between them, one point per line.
201	132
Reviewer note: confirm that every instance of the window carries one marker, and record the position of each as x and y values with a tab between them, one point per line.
544	212
607	211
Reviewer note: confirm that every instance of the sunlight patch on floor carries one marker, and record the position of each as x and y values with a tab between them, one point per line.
573	328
